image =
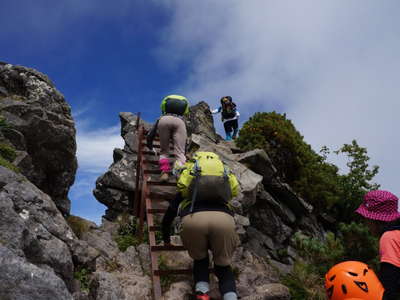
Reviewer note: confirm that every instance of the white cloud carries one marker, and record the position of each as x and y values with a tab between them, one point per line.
95	153
331	65
95	148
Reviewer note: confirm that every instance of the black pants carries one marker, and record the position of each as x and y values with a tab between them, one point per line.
226	278
231	125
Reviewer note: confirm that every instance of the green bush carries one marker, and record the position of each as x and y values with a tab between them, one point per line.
125	241
78	225
355	183
308	172
7	152
305	170
352	242
5	163
359	244
304	283
165	280
321	254
83	276
126	236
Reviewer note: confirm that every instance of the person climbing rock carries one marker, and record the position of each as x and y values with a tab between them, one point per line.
229	116
205	187
171	126
380	209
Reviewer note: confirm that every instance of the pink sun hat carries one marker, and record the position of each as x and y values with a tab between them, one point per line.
379	205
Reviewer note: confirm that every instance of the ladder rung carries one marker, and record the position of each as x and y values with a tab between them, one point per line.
152	182
159	194
172	272
154	171
156	210
150	161
154	228
175	272
167	248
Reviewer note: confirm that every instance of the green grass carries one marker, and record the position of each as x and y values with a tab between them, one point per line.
165	280
78	225
5	163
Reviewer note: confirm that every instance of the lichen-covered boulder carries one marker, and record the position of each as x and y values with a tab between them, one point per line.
32	228
41	129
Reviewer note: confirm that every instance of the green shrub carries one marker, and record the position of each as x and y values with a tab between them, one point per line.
165	280
359	244
305	170
5	163
78	225
126	236
304	283
125	241
308	172
352	242
7	152
322	255
83	276
355	183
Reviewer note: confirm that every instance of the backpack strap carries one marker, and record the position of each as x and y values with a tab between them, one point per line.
197	174
152	134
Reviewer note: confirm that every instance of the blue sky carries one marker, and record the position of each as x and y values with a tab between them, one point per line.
332	66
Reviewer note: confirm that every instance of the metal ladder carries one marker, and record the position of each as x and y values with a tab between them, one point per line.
147	204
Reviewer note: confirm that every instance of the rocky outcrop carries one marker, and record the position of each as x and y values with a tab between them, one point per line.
42	255
40	129
201	122
20	279
36	237
268	211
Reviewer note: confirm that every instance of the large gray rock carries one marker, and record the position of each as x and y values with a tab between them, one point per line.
22	280
41	129
115	286
201	122
32	227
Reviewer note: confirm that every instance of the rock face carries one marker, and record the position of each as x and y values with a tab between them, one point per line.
268	211
41	253
40	129
35	241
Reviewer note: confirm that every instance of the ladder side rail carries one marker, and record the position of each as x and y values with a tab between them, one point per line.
139	168
142	204
154	256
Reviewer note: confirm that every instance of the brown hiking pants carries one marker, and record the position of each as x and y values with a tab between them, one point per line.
170	127
214	230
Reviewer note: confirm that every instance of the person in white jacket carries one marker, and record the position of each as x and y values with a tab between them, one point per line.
230	116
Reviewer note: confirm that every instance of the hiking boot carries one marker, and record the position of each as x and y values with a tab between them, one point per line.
202	296
164	177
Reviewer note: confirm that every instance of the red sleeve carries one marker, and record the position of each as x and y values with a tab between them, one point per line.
389	247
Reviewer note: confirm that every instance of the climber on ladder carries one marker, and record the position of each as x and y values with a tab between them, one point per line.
205	188
171	125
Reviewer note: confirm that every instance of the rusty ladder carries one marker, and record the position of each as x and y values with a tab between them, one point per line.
147	204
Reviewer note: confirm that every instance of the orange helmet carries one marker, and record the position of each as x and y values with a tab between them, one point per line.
352	280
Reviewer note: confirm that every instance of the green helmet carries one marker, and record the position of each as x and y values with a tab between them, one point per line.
175	104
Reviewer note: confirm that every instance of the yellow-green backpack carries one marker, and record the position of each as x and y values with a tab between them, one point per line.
207	179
